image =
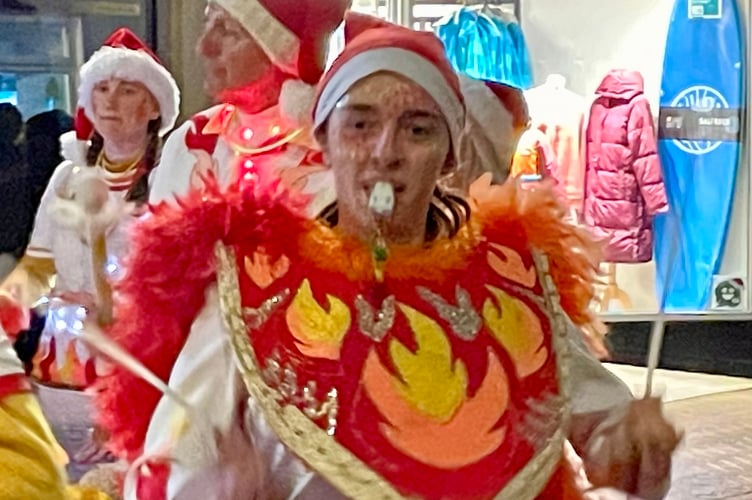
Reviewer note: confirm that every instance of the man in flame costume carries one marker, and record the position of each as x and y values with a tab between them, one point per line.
407	343
262	60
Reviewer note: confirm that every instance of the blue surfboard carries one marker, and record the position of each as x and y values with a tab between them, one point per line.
700	129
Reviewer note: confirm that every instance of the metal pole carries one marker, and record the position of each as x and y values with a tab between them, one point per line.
407	12
393	10
400	11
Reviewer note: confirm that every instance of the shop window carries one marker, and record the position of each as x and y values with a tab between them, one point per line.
39	59
641	108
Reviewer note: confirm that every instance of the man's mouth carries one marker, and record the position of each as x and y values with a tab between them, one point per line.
398	187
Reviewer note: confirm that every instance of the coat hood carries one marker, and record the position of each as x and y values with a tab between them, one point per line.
621	84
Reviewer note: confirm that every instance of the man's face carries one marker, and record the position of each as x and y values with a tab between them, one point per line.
230	55
122	109
386	128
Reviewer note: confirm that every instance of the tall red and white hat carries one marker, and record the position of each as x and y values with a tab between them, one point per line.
124	55
294	34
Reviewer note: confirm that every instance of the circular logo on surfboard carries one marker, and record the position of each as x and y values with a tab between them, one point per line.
699	98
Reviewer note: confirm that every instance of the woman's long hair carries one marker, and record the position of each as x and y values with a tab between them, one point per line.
139	191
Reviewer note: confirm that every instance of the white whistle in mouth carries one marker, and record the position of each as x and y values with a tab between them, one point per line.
381	201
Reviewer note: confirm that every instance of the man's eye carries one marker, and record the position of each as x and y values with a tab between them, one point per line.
421	130
359	125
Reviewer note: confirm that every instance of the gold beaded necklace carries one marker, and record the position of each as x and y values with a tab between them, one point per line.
118	167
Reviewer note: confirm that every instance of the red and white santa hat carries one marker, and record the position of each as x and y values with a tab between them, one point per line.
123	55
499	116
294	34
373	46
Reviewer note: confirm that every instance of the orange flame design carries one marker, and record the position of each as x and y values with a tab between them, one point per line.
71	370
427	416
319	333
510	266
220	121
516	327
262	272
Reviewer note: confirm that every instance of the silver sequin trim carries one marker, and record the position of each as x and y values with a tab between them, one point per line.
284	379
463	318
543	418
375	324
255	317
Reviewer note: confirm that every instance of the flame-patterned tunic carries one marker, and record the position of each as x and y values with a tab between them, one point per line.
445	379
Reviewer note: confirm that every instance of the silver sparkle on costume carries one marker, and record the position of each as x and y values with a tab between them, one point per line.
543	419
284	380
375	324
463	318
255	317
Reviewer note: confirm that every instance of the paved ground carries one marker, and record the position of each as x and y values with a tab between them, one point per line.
715	461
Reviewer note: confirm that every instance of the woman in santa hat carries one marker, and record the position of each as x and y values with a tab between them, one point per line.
354	356
127	102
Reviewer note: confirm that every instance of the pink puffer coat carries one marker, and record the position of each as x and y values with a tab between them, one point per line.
623	180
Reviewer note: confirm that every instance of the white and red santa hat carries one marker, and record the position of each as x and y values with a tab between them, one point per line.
373	46
498	115
294	34
123	55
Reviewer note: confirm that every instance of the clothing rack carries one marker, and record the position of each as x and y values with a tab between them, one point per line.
426	23
514	3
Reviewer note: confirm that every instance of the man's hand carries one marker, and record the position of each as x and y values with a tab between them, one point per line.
631	450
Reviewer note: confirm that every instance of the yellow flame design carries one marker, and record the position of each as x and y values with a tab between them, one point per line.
516	327
446	445
319	333
429	368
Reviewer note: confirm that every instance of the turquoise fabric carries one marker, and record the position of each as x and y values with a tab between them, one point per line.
487	46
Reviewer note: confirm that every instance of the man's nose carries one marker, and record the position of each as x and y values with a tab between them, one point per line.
387	149
207	44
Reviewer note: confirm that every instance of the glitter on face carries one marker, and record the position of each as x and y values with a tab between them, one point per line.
388	129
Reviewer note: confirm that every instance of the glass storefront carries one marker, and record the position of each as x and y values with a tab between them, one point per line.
642	106
39	57
41	50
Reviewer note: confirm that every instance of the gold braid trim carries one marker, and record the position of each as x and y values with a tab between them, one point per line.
321	452
335	463
536	474
534	477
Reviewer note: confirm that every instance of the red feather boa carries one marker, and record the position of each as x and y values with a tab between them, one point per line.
171	264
